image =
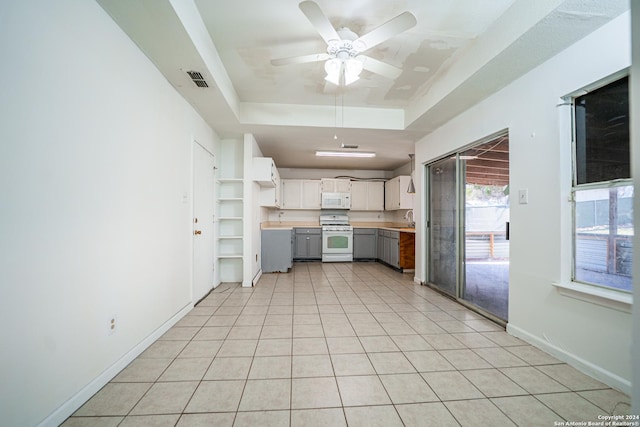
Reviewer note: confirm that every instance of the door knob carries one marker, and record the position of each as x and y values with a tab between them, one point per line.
197	232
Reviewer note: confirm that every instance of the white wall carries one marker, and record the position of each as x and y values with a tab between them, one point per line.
592	337
94	162
253	240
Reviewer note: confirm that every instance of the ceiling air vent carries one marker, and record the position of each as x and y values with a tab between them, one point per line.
349	146
197	78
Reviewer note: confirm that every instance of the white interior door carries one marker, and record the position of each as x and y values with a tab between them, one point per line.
203	205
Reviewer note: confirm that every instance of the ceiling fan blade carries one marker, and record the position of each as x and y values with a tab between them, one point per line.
391	28
321	23
379	67
300	59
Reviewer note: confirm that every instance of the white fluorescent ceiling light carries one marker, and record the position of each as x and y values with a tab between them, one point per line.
344	154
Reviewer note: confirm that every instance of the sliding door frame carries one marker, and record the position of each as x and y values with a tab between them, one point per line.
460	225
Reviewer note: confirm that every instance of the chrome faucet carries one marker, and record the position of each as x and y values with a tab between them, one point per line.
410	222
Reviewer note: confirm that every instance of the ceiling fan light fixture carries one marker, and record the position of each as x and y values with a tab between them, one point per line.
333	78
336	68
350	78
353	66
333	67
345	154
352	70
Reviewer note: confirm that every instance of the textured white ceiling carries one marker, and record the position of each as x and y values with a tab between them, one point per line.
247	42
459	52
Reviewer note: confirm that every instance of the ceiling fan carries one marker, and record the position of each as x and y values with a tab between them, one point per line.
344	58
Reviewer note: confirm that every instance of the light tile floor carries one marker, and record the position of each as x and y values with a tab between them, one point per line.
343	344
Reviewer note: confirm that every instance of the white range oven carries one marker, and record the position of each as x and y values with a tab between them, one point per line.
337	238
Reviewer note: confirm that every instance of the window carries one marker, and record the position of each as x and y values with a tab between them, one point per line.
602	188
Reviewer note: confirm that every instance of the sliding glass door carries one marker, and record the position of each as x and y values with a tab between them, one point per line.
443	221
468	200
485	169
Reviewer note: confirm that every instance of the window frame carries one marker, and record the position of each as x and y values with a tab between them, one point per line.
606	297
616	298
602	185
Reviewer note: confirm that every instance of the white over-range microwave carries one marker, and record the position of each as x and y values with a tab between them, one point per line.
336	201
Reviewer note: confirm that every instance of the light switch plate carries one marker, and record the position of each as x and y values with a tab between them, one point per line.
523	196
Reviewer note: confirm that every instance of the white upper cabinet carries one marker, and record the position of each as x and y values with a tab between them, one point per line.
291	194
367	195
395	194
335	185
265	172
310	194
300	194
270	197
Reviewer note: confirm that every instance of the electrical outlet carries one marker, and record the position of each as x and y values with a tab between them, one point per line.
112	324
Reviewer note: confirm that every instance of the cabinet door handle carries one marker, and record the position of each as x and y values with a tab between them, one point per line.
197	232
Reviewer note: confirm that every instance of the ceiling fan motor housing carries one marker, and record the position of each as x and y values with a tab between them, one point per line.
349	45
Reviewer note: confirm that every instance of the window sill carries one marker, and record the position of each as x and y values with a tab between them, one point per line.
604	297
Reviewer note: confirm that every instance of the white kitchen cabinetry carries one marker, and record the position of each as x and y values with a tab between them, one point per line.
271	197
310	194
335	185
300	194
291	194
367	195
266	174
395	194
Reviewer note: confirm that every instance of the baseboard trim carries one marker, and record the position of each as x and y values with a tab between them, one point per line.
65	410
586	367
256	277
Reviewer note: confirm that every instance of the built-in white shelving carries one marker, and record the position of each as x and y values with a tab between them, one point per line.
230	201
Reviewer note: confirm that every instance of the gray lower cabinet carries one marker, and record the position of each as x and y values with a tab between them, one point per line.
365	243
276	254
394	249
307	243
389	247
